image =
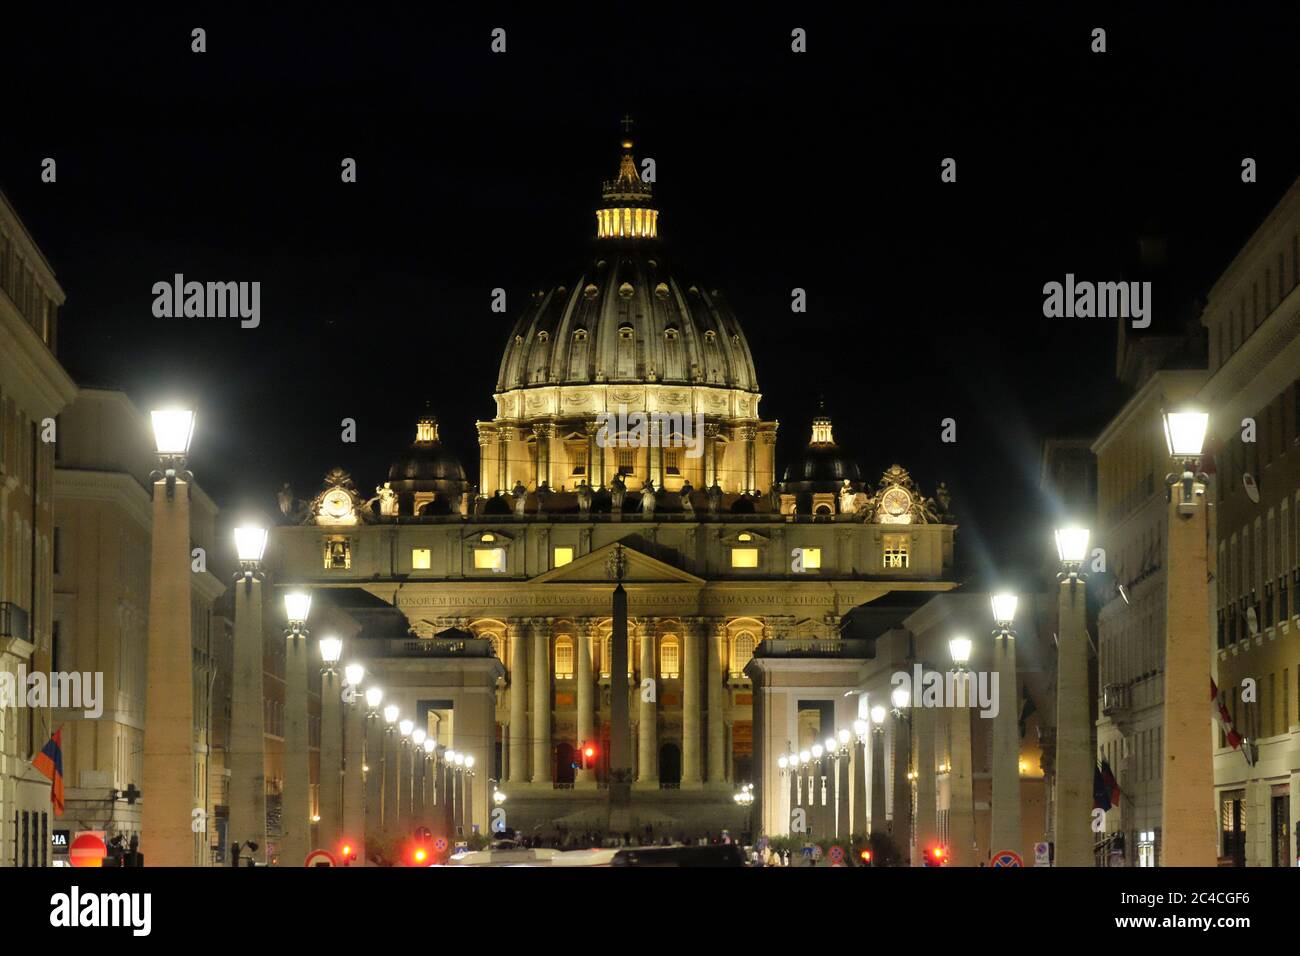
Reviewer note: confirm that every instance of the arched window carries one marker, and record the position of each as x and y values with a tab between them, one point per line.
607	655
669	657
742	649
564	657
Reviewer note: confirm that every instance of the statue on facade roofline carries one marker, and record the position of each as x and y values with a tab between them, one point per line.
520	494
688	506
715	497
648	497
584	498
617	492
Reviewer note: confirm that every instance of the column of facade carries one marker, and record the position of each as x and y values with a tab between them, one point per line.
541	729
543	435
747	435
374	774
691	630
711	430
648	711
595	476
503	460
588	635
715	716
518	737
391	803
901	825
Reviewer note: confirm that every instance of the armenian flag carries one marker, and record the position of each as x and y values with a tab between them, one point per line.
49	762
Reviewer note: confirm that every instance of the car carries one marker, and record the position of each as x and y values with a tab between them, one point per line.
724	854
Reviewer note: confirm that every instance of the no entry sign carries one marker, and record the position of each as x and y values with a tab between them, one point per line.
88	849
1007	858
320	858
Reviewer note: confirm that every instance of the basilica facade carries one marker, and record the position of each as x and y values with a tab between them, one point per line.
626	417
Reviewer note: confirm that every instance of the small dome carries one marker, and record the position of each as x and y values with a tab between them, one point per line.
822	466
427	465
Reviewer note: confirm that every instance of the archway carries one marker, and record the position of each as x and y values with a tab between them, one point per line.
670	765
564	756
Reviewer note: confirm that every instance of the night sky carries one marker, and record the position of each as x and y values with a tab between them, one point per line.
775	170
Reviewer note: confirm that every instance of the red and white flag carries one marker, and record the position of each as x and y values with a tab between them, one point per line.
1225	720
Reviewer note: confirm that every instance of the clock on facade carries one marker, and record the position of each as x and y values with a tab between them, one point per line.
895	506
337	506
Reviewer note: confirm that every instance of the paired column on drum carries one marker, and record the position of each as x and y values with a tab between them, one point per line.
691	709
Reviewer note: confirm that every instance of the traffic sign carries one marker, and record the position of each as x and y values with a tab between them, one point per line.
440	844
837	856
88	849
320	858
1007	858
808	851
1042	856
817	853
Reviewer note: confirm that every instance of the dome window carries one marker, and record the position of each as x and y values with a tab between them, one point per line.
543	336
670	335
580	335
590	290
654	264
710	336
625	332
694	291
519	340
626	290
661	290
735	340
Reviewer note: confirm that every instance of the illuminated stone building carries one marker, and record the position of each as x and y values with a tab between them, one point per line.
1253	320
626	413
34	388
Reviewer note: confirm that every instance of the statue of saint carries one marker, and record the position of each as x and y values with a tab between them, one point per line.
688	506
520	494
584	498
648	497
715	497
387	499
617	492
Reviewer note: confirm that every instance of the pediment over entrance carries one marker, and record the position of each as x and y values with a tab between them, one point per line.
593	568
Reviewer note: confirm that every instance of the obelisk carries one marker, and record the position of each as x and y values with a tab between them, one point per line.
620	726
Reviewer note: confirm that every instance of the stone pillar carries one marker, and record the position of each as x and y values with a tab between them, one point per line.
518	701
354	779
711	430
1189	830
247	734
859	820
543	435
717	651
841	796
405	786
1004	831
542	769
747	435
503	460
374	759
391	804
295	819
927	803
587	636
1074	753
961	800
901	825
878	821
166	815
331	762
417	786
648	712
595	475
691	775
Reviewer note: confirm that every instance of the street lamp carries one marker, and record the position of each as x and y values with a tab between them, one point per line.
250	546
331	740
878	719
1075	761
1004	605
960	647
296	841
1187	827
901	698
1004	828
391	713
374	697
354	723
168	815
406	726
297	606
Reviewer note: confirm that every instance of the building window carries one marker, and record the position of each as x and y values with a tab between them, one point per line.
578	456
744	557
338	554
812	558
564	657
490	559
669	658
607	656
562	557
672	461
421	559
742	649
895	551
626	460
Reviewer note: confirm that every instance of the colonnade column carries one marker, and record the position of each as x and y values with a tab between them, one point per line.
691	776
542	769
518	750
901	826
588	635
647	712
927	807
716	718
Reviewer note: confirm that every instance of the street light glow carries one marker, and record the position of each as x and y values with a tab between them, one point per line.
331	649
391	713
418	737
959	647
1185	433
354	674
250	543
374	696
172	430
1072	544
1004	608
406	726
297	604
878	715
900	698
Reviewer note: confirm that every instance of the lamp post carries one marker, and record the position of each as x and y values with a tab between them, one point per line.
429	758
295	817
354	750
418	737
405	766
878	823
745	800
961	795
1074	760
858	817
901	826
391	805
1004	829
1189	835
247	699
374	766
168	812
467	793
331	745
